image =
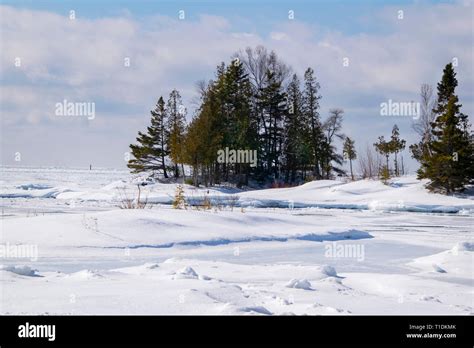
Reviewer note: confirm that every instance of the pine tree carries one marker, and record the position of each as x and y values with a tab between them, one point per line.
223	120
204	138
176	127
384	148
268	76
294	150
330	158
311	110
349	152
272	101
151	151
397	145
450	162
239	129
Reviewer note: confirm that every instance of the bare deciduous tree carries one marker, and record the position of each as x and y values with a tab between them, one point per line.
422	126
258	61
369	162
333	125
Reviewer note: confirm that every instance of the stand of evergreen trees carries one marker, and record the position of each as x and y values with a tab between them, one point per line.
254	103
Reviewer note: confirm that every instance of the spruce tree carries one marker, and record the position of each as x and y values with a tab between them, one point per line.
204	137
272	101
384	148
176	127
450	162
239	129
151	151
349	152
311	110
397	145
295	131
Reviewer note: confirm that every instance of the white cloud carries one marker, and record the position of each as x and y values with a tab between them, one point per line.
279	36
83	60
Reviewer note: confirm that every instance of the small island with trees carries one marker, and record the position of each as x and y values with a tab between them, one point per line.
255	103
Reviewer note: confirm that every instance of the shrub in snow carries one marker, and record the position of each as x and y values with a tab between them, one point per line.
179	201
127	202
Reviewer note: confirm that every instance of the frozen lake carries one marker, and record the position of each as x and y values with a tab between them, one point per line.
349	248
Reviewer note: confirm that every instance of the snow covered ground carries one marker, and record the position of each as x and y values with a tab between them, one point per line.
325	247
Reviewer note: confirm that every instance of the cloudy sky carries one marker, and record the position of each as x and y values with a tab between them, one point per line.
48	57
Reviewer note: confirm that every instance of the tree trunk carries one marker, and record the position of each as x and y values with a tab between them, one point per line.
176	171
165	174
352	174
396	164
